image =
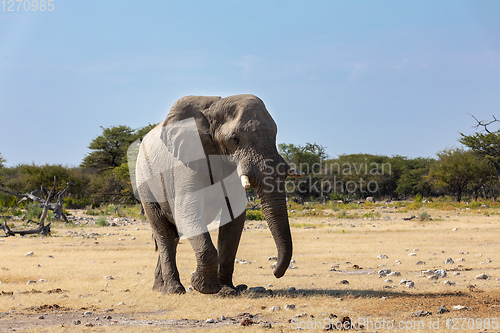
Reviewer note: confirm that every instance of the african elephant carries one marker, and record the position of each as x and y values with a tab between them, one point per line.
195	166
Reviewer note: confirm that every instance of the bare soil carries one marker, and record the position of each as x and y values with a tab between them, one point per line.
91	278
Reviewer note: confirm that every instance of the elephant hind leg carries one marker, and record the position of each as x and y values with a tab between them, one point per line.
166	239
205	279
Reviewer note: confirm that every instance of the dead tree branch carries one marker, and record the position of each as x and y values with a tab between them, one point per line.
484	123
57	207
42	228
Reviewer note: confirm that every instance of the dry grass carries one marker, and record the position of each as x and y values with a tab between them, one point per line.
79	266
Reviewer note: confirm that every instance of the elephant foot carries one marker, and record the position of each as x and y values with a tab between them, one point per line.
228	291
172	288
176	289
204	283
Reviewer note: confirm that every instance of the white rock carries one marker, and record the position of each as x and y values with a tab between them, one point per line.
449	261
482	277
383	256
460	307
395	273
404	281
398	262
31	253
428	272
290	307
412	254
449	283
384	272
441	273
30	282
210	321
274	309
410	284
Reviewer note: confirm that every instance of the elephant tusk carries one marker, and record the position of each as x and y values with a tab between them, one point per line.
245	182
295	173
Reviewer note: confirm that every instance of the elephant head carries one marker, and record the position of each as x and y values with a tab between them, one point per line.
241	128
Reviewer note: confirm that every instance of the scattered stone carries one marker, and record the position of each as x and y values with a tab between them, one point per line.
290	307
274	309
30	282
415	250
482	277
410	284
413	254
344	282
257	289
31	253
242	261
388	281
420	262
404	281
398	262
41	317
246	322
449	261
77	322
441	273
395	273
421	313
87	313
428	272
222	318
460	307
121	303
272	258
433	277
460	259
210	321
449	283
384	272
383	298
291	289
267	325
442	309
383	256
109	277
189	289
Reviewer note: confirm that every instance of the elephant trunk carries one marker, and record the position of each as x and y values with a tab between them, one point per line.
275	211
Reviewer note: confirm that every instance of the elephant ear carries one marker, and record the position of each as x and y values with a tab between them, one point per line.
194	107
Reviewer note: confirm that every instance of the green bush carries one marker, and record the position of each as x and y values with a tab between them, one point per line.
255	215
418	197
424	216
102	221
342	214
34	212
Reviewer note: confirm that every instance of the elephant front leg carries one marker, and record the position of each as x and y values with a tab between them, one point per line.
229	239
205	279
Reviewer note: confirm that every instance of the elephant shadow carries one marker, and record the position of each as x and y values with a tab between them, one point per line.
354	293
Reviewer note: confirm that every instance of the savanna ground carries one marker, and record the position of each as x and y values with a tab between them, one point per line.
94	278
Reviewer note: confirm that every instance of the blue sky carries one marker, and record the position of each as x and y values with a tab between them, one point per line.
378	77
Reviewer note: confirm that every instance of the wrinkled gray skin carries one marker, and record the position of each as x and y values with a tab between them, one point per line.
239	126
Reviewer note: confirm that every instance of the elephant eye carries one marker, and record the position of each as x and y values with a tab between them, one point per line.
235	139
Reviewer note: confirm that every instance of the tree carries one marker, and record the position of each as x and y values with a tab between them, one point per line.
307	159
455	170
2	161
486	145
109	149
